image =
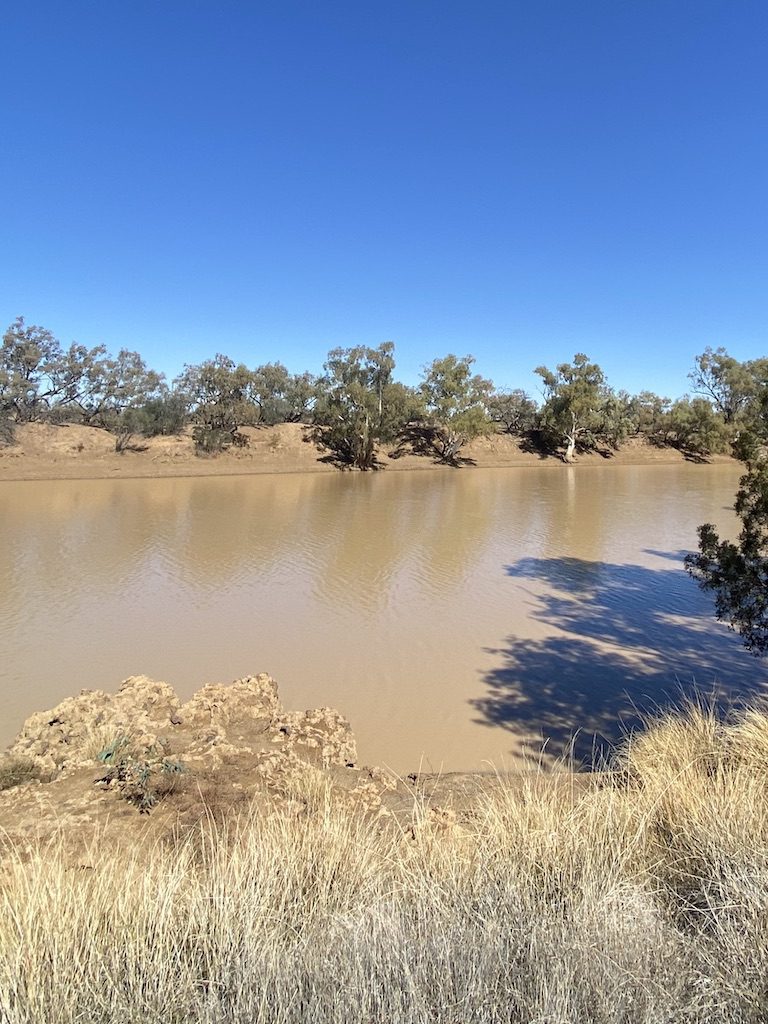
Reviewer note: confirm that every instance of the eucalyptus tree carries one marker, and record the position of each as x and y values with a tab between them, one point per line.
359	404
27	356
575	404
736	572
280	396
77	377
647	413
456	403
110	385
695	427
515	410
218	393
39	379
729	384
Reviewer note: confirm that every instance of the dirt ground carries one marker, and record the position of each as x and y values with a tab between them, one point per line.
45	452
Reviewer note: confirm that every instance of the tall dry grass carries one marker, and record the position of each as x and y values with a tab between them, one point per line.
645	900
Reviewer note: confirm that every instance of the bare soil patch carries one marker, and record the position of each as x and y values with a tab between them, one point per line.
46	452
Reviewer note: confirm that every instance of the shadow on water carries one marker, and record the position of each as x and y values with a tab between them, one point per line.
626	639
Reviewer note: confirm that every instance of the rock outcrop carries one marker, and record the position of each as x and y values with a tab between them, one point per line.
227	747
220	723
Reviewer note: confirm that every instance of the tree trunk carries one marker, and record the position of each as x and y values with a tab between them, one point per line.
570	438
569	449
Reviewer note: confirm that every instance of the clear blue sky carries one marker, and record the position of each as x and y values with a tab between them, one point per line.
516	180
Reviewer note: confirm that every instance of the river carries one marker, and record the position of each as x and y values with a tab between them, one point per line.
456	618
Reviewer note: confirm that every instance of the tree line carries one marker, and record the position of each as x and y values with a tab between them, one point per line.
357	405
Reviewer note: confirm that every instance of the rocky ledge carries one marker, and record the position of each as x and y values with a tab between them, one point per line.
242	721
98	759
83	772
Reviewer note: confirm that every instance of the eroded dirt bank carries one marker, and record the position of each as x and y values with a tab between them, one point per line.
45	452
141	763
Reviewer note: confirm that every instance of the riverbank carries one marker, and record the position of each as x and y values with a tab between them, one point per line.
300	894
225	747
69	452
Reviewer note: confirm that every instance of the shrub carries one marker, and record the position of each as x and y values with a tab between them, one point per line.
142	780
214	440
164	416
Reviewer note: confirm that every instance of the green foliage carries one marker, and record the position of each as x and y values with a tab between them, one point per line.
77	376
109	386
214	440
617	423
737	572
39	380
693	426
576	410
126	427
690	424
142	780
647	414
732	386
456	404
282	397
28	356
164	415
514	410
220	394
358	403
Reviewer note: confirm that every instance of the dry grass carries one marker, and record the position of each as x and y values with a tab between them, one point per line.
645	900
14	771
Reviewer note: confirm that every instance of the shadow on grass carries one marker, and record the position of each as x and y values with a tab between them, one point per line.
625	639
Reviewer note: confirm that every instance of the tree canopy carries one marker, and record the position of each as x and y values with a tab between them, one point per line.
736	572
574	410
456	404
359	404
729	384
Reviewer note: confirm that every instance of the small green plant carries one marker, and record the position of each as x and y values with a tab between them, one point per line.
142	781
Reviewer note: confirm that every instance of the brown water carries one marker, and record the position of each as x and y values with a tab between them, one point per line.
449	615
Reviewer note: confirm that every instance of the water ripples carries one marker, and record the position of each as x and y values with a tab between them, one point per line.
388	595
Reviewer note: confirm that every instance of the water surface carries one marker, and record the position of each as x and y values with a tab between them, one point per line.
452	616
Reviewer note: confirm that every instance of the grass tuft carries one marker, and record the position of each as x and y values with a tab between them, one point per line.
15	771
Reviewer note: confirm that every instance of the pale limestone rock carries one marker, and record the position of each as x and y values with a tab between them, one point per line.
219	724
72	734
322	734
238	705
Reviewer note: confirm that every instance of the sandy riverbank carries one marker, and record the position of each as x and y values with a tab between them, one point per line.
45	452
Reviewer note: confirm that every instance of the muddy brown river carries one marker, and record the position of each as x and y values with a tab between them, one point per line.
456	618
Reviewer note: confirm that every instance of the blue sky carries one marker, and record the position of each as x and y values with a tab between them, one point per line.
519	181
